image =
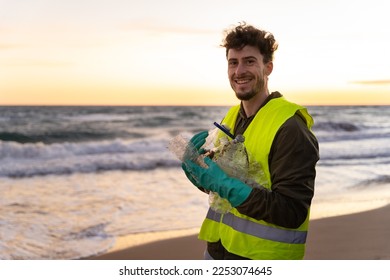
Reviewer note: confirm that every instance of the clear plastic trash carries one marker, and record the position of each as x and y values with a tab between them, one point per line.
230	155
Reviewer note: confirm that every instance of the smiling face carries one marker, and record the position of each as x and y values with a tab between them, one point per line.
247	73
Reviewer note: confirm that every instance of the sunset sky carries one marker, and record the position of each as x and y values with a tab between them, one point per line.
149	52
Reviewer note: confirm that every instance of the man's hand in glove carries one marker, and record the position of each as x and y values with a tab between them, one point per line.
216	180
197	142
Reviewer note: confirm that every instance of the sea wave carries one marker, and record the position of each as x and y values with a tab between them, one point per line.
42	141
377	181
59	136
336	126
345	151
33	159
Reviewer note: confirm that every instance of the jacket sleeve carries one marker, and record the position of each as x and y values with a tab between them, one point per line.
292	160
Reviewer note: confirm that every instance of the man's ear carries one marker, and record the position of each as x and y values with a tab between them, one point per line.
269	66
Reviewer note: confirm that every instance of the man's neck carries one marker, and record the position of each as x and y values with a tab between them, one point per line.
252	106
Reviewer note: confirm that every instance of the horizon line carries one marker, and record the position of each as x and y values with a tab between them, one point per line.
169	105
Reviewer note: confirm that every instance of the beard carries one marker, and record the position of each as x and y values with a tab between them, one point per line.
245	96
256	89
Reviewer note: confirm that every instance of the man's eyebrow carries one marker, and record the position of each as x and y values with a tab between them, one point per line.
245	58
250	57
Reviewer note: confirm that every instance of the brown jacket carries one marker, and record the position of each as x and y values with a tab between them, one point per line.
292	159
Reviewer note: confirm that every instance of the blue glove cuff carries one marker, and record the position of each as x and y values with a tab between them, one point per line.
242	192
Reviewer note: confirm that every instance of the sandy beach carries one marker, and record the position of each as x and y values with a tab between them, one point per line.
359	236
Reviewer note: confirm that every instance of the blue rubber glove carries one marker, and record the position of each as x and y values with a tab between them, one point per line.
216	180
191	178
197	142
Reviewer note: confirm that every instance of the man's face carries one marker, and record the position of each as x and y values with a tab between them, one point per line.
247	72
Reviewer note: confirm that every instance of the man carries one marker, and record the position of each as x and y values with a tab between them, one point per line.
270	221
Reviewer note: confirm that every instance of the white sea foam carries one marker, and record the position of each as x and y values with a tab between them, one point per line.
20	160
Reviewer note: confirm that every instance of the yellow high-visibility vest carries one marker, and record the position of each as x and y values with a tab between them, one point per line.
243	235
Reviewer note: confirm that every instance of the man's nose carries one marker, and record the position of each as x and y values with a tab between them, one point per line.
240	69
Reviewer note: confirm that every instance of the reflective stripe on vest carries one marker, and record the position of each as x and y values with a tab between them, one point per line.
259	230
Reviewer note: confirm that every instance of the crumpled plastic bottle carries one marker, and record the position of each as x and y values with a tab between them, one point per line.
184	150
232	158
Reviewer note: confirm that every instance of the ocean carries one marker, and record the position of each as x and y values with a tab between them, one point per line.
74	179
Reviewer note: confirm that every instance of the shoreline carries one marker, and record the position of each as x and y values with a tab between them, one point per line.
139	239
355	236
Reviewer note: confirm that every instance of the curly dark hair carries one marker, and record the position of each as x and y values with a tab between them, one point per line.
243	35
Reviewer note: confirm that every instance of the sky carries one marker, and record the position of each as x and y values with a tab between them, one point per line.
150	52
